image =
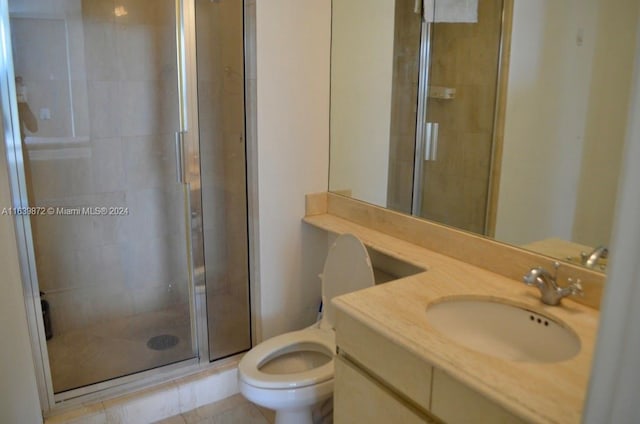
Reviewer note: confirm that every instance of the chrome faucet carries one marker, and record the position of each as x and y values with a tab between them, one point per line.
590	260
547	283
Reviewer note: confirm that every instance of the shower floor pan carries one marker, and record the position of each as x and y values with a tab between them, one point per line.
119	347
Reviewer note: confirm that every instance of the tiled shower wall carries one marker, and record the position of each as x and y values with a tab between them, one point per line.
121	154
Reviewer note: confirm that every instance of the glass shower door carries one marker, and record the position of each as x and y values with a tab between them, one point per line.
221	83
98	102
454	147
404	104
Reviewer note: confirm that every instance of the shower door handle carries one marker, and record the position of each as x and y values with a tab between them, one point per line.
434	141
179	146
431	141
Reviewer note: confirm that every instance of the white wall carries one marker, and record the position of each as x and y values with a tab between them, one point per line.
545	118
361	88
292	135
567	100
614	387
19	401
607	121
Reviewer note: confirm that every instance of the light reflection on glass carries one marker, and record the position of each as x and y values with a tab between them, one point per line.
120	11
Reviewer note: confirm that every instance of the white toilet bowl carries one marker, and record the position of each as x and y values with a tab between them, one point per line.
290	373
293	372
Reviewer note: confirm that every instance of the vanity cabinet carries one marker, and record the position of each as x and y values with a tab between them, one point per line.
453	403
378	381
359	399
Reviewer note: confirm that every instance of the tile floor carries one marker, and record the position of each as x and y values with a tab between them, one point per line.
115	348
233	410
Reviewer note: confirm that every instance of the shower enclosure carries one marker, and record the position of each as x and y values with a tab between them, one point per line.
125	136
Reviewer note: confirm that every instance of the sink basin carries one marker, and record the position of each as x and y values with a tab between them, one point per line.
503	330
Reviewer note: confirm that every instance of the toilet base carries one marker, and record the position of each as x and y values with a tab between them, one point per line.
298	416
292	406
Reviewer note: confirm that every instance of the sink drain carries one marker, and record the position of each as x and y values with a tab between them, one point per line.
162	342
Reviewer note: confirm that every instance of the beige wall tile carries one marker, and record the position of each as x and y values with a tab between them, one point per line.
149	161
106	118
147	12
98	10
101	51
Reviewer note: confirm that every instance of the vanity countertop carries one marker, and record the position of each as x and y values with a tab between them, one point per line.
536	392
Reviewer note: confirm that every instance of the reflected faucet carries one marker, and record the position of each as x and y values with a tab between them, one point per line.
547	283
590	260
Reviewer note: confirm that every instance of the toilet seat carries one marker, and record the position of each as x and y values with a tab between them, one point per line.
285	373
311	339
346	269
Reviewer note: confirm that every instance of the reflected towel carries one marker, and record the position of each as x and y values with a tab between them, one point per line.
450	11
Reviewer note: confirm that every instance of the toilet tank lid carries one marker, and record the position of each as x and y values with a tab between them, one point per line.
346	269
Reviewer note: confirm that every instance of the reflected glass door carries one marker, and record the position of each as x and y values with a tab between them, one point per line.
404	104
460	96
98	104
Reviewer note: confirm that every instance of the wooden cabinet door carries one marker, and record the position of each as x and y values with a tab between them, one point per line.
359	399
455	403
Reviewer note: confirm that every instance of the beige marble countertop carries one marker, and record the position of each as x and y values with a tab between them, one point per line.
537	392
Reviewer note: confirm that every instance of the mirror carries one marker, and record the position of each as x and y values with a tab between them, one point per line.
506	118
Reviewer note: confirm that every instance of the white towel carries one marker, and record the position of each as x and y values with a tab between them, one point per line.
450	11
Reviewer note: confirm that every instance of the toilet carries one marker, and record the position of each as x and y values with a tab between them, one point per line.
293	372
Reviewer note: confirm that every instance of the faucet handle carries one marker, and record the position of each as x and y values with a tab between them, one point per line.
532	278
575	287
551	292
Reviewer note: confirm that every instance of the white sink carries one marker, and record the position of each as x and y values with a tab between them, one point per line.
503	330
